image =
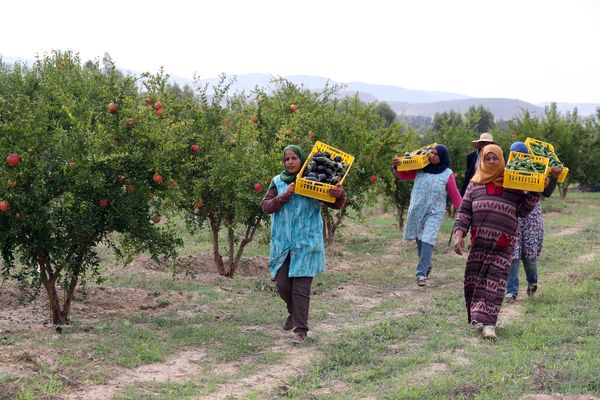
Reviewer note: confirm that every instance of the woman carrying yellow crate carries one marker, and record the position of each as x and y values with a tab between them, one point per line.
490	212
297	247
428	205
529	239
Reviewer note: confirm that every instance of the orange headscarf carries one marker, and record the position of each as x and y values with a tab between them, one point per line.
488	173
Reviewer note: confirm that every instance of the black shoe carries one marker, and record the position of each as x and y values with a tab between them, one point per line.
299	338
531	289
288	325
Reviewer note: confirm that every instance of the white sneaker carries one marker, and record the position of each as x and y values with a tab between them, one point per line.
489	332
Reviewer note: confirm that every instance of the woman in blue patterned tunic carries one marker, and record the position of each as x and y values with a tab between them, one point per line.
489	212
428	205
297	247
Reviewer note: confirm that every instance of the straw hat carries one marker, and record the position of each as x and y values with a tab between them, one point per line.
485	138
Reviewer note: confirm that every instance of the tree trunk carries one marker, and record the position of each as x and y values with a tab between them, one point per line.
400	210
248	236
70	291
58	316
217	258
48	277
330	224
562	189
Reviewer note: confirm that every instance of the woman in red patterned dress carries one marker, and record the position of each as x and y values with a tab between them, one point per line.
489	212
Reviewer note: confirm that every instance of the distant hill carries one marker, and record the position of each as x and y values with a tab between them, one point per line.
583	109
504	109
403	101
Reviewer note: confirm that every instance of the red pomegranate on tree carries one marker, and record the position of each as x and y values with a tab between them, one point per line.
258	187
199	203
13	159
293	107
4	205
373	178
113	107
157	178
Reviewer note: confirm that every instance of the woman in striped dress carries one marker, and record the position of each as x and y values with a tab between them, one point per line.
490	213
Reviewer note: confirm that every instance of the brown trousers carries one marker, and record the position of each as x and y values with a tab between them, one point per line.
296	294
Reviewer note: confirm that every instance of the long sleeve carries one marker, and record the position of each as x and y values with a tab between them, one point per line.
551	186
469	171
340	202
452	190
406	175
272	202
464	216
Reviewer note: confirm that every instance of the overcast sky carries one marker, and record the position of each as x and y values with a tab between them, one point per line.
532	50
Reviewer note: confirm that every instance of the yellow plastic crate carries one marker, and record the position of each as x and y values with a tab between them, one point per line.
563	174
319	190
408	163
524	180
530	140
565	171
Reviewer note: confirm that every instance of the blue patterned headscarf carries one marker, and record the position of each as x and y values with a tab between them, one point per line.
444	161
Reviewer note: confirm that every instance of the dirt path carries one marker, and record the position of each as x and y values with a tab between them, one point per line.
193	364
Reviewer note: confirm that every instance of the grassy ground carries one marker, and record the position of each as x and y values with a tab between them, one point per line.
375	334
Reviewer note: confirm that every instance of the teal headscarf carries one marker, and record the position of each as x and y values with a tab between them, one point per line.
284	175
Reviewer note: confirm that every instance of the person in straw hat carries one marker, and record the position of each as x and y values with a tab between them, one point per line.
473	158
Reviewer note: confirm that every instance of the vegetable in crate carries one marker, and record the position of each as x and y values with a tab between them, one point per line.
526	164
540	150
324	168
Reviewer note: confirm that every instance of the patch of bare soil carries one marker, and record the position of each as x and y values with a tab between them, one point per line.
466	391
195	265
92	303
586	258
566	231
182	368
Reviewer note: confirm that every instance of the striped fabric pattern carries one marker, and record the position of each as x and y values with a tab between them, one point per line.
492	222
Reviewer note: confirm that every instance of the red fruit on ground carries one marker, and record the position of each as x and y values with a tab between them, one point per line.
195	148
